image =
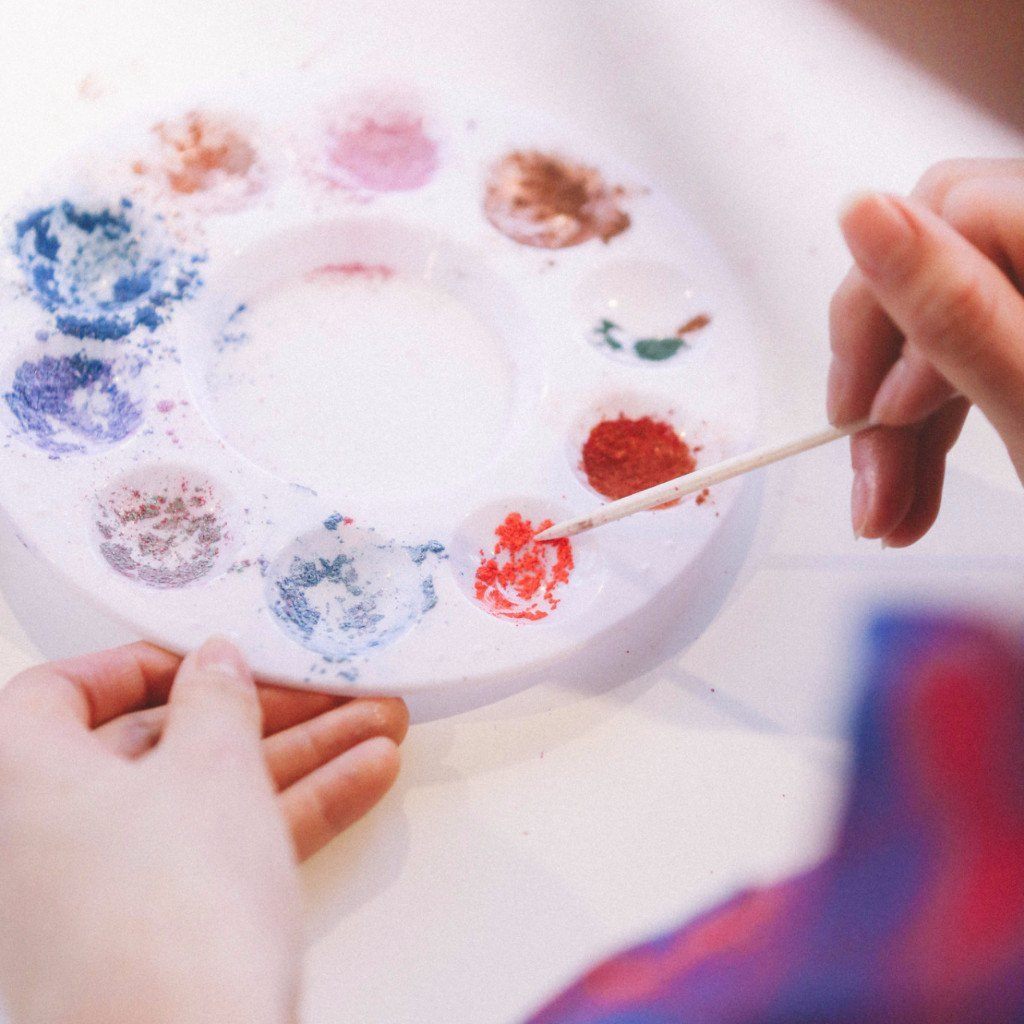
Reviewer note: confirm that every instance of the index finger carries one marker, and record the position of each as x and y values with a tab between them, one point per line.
95	688
865	343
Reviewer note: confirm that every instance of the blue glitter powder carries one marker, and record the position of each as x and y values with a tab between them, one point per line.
66	404
345	593
419	553
102	273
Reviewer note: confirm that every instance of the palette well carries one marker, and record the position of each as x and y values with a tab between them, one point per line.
311	366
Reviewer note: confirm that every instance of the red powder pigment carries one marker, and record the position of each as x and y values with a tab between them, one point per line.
200	151
544	201
521	578
623	456
385	154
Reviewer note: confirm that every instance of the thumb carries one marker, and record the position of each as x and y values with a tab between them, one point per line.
213	706
954	306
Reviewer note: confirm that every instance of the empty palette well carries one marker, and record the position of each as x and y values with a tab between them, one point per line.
362	373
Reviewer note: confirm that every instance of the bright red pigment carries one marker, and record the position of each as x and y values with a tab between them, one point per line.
520	579
623	456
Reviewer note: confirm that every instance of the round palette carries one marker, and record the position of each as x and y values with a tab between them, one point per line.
311	365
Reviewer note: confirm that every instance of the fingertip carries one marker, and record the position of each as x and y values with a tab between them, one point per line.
880	232
852	203
376	761
859	502
884	459
219	654
940	434
394	718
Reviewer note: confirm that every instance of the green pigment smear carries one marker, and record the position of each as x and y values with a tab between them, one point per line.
653	350
656	349
605	331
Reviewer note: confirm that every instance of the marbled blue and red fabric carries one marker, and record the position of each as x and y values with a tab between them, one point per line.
917	916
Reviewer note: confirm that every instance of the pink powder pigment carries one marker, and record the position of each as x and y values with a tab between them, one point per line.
381	153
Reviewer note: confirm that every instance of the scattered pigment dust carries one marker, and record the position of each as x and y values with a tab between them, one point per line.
163	536
544	201
382	152
623	456
69	404
609	335
234	332
521	578
344	592
102	271
203	153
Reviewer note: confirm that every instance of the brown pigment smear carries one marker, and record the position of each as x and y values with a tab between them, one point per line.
696	323
544	201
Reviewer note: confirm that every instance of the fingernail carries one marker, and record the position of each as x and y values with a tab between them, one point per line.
879	233
859	504
219	654
887	408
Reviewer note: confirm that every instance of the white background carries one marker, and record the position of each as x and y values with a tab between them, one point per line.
525	839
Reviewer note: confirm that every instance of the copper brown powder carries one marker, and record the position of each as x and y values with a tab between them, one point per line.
542	200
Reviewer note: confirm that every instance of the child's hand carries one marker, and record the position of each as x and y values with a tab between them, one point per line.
147	857
930	320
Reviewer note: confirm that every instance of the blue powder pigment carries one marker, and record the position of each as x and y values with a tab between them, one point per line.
102	273
344	592
420	552
67	404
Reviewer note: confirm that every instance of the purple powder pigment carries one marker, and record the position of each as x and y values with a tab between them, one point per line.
165	535
102	272
70	404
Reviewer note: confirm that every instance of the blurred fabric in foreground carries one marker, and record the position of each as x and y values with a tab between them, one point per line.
917	915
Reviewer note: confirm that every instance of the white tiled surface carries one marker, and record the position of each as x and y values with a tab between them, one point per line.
527	838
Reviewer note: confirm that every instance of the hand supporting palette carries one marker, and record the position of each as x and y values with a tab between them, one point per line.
313	368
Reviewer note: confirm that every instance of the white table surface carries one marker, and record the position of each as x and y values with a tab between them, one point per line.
527	838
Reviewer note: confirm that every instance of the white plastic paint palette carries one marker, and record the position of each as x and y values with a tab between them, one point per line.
272	368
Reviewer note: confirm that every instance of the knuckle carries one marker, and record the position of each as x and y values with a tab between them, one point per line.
969	208
955	317
962	202
933	185
328	814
